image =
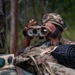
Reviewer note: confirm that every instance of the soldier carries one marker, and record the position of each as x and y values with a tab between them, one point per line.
49	65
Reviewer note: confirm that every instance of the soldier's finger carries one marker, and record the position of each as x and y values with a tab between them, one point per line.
48	27
31	23
26	28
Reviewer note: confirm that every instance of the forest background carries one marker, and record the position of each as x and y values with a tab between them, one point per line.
35	9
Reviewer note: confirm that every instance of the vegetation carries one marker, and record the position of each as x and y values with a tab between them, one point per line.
29	9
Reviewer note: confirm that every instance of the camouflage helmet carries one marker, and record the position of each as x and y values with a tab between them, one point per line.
55	19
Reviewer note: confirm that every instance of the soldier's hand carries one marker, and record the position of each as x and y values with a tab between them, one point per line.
51	27
31	23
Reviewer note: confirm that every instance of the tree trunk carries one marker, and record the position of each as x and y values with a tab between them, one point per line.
14	27
25	11
34	11
44	6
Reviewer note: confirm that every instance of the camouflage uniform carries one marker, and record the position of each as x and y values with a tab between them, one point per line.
43	63
58	69
39	60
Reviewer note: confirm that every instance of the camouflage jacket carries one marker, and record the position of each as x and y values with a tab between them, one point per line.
43	63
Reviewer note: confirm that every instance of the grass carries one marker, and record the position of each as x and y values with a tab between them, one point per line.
69	33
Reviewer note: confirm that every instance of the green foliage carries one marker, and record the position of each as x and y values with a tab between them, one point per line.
66	8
